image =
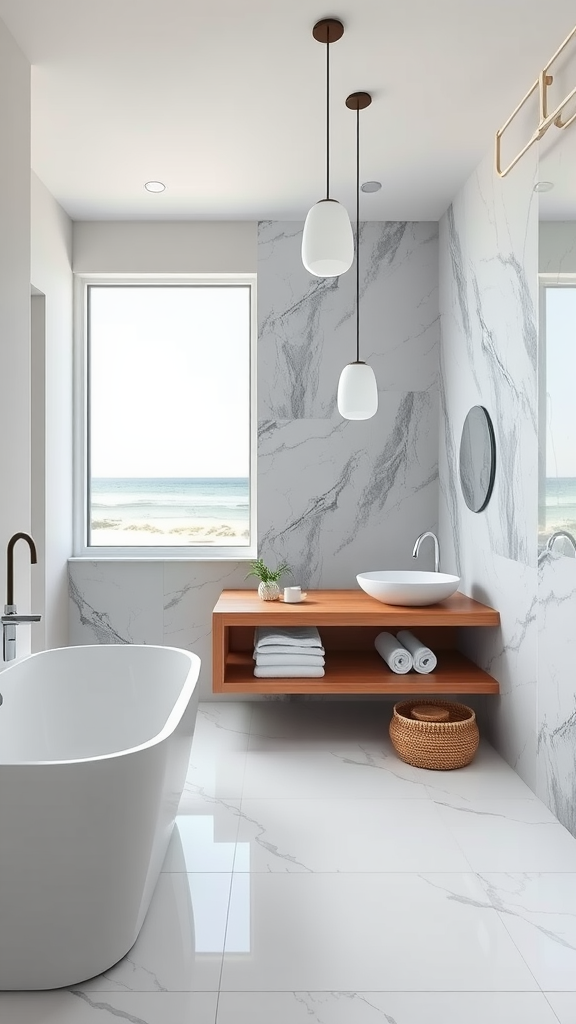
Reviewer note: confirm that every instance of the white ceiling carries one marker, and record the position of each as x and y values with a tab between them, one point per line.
224	101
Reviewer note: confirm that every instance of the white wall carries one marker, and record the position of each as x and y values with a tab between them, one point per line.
557	247
38	462
165	247
51	274
15	470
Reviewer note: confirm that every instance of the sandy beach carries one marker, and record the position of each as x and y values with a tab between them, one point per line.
110	532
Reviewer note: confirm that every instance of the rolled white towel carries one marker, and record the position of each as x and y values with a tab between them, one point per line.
292	636
289	649
313	660
292	672
396	657
424	659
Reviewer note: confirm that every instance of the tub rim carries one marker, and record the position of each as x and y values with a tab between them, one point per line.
169	727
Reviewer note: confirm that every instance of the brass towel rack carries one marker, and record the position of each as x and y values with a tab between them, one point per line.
542	83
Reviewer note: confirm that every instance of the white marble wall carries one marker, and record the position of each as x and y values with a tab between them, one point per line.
557	686
337	496
557	613
334	497
150	603
488	295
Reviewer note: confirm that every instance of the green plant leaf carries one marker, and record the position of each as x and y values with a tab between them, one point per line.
266	575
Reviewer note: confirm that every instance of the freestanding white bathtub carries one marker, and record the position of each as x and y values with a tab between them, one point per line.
94	747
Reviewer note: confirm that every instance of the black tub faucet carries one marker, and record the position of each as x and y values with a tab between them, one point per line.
10	619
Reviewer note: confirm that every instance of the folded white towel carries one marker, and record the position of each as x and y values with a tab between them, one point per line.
317	652
293	636
314	660
424	659
294	672
396	657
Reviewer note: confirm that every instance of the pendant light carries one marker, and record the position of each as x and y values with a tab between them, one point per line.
357	389
327	242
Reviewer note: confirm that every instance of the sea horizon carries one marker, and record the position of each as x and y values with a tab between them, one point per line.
559	504
169	510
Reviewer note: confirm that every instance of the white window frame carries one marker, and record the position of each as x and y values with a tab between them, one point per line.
208	553
545	281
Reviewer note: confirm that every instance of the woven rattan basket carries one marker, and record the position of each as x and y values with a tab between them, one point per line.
438	745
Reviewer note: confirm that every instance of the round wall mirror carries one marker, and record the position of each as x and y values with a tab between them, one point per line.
477	458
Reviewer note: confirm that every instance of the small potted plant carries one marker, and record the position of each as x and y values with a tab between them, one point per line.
268	589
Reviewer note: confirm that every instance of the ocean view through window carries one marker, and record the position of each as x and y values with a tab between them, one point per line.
167	412
170	510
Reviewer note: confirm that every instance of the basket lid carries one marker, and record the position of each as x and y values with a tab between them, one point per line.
429	713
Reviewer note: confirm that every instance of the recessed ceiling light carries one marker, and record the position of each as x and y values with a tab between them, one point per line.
371	186
154	186
543	186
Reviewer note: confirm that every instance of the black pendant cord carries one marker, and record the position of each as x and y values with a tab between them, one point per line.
358	234
328	115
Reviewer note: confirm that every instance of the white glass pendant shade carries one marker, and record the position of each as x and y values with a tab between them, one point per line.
357	392
327	242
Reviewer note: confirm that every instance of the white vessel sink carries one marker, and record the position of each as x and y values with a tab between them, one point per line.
408	588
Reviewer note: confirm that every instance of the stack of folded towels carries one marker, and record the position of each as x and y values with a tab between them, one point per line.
285	653
405	652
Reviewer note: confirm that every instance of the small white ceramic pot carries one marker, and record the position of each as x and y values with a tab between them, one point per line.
268	591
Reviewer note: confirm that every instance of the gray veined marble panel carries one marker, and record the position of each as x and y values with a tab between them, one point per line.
557	687
488	285
509	654
115	603
191	589
337	497
307	325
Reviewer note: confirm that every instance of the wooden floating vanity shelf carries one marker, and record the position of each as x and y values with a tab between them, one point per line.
348	620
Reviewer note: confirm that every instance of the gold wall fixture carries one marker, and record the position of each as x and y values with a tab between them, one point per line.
542	83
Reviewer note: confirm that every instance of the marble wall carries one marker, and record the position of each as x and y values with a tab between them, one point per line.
556	611
334	497
488	301
556	615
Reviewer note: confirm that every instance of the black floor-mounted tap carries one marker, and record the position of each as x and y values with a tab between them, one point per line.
10	619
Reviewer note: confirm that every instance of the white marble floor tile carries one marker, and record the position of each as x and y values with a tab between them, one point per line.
61	1006
218	773
456	810
386	1008
345	835
509	835
317	725
487	776
218	755
180	946
313	774
563	1004
539	913
204	837
367	932
222	726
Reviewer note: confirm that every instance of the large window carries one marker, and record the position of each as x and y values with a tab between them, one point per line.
164	418
557	374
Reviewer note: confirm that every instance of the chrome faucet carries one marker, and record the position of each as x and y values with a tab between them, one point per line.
11	619
560	533
436	548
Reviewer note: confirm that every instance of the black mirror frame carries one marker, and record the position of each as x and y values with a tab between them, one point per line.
492	440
